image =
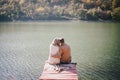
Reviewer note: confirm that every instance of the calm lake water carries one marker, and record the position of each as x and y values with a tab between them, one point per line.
24	47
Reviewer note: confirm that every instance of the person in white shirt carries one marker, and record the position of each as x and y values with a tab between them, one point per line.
54	54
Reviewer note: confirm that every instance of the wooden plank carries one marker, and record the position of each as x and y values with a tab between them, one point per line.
59	72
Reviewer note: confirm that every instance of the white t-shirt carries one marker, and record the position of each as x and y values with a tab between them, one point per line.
54	50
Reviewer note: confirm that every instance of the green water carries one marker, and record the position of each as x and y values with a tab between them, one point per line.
24	47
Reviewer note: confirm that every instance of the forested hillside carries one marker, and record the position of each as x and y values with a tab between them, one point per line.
59	10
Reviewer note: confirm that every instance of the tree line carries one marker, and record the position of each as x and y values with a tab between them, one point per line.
59	10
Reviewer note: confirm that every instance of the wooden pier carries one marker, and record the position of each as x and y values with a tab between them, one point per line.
59	72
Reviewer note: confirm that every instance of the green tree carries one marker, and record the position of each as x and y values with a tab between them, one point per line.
116	14
106	5
115	4
9	10
91	15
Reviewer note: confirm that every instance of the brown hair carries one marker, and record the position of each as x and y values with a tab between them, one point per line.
62	40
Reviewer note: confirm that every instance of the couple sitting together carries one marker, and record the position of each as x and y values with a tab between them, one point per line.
60	52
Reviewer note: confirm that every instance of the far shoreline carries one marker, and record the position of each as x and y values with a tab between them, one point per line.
51	20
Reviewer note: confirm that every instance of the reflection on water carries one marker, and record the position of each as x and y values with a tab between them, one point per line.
24	47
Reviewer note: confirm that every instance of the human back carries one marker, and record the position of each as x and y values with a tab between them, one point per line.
54	54
55	51
65	52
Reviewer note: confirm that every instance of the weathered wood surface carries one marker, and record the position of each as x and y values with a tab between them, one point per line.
59	72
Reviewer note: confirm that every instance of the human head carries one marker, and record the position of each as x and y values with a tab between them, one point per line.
62	41
56	41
